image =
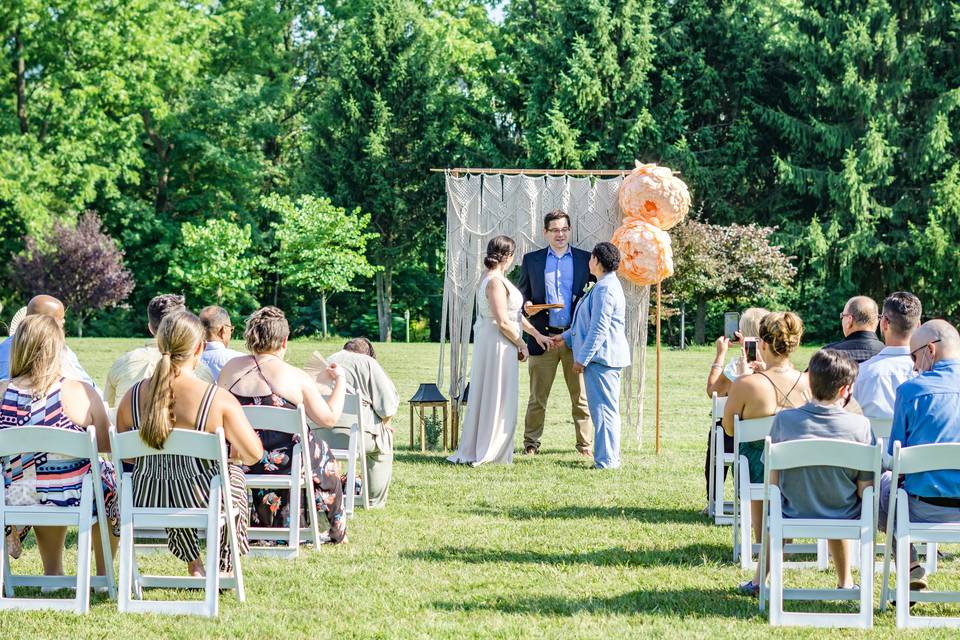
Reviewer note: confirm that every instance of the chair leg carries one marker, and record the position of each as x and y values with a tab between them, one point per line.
776	572
823	555
867	554
931	560
712	473
746	533
903	580
296	475
83	561
212	595
125	593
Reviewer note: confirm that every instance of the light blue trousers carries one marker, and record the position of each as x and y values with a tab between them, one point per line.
602	385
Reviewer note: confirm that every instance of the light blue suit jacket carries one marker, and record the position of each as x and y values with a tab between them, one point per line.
598	332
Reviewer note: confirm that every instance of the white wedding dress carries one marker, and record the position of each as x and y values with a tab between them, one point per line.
488	428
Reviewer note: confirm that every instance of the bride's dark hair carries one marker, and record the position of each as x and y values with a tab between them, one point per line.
499	249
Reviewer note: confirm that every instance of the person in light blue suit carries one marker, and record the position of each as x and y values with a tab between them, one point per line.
600	350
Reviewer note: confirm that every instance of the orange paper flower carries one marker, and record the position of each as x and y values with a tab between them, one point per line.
653	194
646	256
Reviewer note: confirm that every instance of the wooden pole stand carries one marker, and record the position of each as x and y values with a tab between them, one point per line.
657	410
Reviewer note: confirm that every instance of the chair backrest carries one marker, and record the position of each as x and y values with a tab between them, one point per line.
719	402
181	442
750	430
292	421
822	452
881	427
338	436
64	442
926	457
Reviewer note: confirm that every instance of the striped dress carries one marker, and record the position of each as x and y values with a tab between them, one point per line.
172	481
47	478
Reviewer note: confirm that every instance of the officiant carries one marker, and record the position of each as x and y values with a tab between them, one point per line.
555	275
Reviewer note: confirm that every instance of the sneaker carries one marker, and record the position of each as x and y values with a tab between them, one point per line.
918	577
748	588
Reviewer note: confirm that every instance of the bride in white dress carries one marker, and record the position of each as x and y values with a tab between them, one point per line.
488	428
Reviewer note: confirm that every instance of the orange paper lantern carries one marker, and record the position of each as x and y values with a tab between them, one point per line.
653	194
646	256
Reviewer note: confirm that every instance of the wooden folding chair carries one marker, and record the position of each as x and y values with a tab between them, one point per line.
71	444
906	460
209	520
809	453
292	422
345	440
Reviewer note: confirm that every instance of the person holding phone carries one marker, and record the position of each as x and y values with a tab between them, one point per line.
721	375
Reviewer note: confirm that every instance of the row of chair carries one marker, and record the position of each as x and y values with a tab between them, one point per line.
149	523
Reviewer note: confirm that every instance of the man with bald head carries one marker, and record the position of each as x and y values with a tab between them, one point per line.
927	411
217	351
44	305
859	322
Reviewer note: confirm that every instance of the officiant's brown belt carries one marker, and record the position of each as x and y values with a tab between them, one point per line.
556	330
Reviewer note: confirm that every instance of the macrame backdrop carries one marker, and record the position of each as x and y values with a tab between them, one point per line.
480	207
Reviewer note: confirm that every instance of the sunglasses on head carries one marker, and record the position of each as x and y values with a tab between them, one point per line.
913	354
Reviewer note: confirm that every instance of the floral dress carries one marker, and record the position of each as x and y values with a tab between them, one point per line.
47	478
271	507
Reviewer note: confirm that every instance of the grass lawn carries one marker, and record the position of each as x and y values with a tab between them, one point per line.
542	548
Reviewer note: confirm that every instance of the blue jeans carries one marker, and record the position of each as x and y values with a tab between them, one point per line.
602	384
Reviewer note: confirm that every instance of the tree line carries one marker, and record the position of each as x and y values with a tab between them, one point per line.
218	123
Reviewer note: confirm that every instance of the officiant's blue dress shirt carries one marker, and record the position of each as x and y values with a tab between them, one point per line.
558	283
927	411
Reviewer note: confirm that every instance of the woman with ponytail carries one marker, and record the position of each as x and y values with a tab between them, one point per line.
174	398
498	348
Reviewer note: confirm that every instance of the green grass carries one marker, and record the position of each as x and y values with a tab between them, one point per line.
543	548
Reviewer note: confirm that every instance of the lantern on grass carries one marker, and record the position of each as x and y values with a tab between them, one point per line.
428	396
456	409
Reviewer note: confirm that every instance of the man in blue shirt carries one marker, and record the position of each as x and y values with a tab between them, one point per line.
927	411
216	353
70	365
556	274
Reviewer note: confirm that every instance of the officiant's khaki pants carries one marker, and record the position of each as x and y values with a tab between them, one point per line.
543	370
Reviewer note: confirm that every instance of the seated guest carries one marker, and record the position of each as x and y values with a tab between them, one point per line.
825	492
69	364
38	394
134	366
173	397
380	402
859	323
775	385
217	353
264	378
879	377
720	377
927	411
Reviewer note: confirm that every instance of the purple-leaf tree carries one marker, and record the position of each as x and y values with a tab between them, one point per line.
80	265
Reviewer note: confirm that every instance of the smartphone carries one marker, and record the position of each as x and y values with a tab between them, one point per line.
751	348
731	324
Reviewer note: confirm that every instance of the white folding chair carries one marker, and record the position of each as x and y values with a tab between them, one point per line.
292	422
209	520
72	444
907	460
806	453
744	492
345	440
719	508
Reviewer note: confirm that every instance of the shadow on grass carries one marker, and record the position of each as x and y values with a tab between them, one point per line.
694	603
689	556
417	457
640	514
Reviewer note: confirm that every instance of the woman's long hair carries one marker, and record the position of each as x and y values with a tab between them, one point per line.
177	338
37	352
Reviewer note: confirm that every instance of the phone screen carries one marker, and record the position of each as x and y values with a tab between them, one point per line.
751	347
731	324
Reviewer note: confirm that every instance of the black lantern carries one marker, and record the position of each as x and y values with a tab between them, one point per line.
455	406
428	396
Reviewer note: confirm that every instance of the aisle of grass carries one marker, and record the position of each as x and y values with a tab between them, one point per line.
543	548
